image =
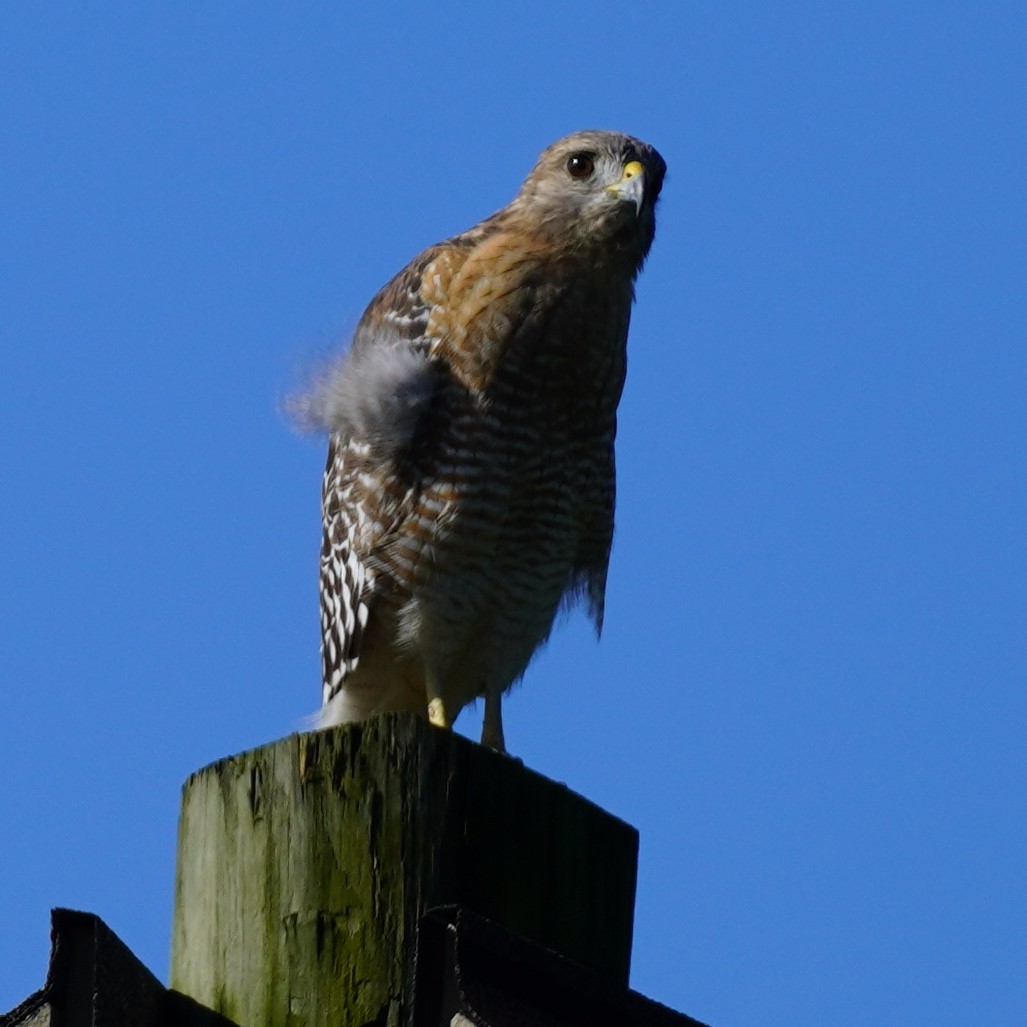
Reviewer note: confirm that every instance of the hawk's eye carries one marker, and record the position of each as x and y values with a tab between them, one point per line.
580	165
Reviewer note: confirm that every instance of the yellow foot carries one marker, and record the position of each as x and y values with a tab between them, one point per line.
437	713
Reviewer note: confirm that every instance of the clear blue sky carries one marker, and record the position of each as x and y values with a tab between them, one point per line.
810	695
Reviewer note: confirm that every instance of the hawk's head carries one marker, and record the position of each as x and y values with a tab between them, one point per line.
596	191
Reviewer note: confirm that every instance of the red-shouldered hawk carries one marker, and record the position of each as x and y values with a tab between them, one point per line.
470	484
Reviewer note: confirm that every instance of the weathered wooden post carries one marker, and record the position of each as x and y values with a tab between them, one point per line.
303	868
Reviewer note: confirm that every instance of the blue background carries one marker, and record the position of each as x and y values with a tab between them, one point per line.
810	694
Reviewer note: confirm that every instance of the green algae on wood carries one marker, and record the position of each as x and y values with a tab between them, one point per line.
304	865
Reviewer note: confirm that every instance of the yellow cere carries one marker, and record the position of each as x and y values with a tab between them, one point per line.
632	169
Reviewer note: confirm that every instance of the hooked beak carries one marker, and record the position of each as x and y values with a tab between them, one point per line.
631	187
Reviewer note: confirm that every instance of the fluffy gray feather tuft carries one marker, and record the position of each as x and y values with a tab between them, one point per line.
375	393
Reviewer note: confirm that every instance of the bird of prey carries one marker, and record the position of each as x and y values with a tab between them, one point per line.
469	489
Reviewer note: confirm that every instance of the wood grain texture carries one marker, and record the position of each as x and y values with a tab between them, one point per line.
304	865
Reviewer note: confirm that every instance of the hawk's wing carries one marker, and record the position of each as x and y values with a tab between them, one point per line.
379	398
